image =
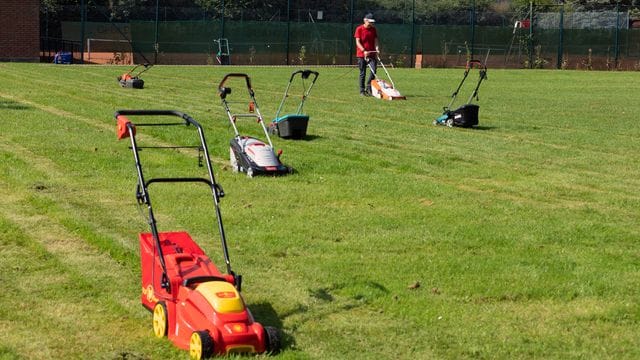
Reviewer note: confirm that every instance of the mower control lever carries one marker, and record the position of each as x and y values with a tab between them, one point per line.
219	190
165	282
238	281
139	195
224	91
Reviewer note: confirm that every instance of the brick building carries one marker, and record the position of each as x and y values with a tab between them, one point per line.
20	30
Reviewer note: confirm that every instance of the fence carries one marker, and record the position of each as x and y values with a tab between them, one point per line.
413	33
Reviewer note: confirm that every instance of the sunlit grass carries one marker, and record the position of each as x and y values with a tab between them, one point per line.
394	239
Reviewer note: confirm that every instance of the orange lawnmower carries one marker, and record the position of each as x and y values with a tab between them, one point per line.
129	80
196	306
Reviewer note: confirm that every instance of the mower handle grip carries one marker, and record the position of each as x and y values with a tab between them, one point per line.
236	75
478	63
305	74
188	119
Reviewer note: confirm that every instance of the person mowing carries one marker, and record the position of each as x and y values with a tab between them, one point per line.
367	50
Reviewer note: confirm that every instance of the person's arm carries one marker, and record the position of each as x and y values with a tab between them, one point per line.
361	47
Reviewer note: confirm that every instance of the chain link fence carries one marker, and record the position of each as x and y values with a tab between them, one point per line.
411	35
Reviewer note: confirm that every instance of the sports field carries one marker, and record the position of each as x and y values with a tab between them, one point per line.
394	239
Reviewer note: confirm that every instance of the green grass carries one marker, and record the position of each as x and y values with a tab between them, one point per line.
523	233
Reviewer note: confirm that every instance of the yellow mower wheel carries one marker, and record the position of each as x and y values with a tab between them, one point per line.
160	320
200	345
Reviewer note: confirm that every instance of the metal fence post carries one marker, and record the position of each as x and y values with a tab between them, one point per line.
413	35
560	41
222	20
530	40
288	28
473	27
617	45
83	21
156	46
350	33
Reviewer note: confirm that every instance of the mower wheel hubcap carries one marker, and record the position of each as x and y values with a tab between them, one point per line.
159	320
195	346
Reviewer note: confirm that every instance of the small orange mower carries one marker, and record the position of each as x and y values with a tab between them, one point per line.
196	306
129	80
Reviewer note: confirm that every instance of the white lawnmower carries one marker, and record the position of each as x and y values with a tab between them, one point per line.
249	154
380	88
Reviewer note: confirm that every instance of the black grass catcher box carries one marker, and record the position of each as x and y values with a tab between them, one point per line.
132	83
292	126
466	115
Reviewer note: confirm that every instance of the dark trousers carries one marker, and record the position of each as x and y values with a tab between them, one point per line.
362	65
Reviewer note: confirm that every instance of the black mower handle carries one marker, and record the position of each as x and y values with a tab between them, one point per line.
224	91
188	119
305	74
478	64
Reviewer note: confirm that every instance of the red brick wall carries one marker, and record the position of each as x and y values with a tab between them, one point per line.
20	30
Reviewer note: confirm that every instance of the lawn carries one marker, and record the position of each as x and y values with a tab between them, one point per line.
394	239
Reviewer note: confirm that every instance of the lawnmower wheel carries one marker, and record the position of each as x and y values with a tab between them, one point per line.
250	172
160	319
200	345
274	343
449	122
273	129
233	161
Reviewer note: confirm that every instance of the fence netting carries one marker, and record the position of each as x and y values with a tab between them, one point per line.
412	34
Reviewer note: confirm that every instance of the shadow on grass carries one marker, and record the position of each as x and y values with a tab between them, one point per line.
348	296
311	137
483	128
12	105
305	138
266	315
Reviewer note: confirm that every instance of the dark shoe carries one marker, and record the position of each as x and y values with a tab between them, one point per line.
362	93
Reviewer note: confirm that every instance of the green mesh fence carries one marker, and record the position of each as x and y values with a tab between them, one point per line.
604	38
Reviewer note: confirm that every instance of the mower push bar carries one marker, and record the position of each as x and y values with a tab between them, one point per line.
217	187
478	63
483	76
142	192
188	119
224	91
305	74
468	67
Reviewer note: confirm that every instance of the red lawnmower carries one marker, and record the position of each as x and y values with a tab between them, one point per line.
196	306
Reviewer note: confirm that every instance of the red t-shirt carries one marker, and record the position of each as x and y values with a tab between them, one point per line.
367	38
